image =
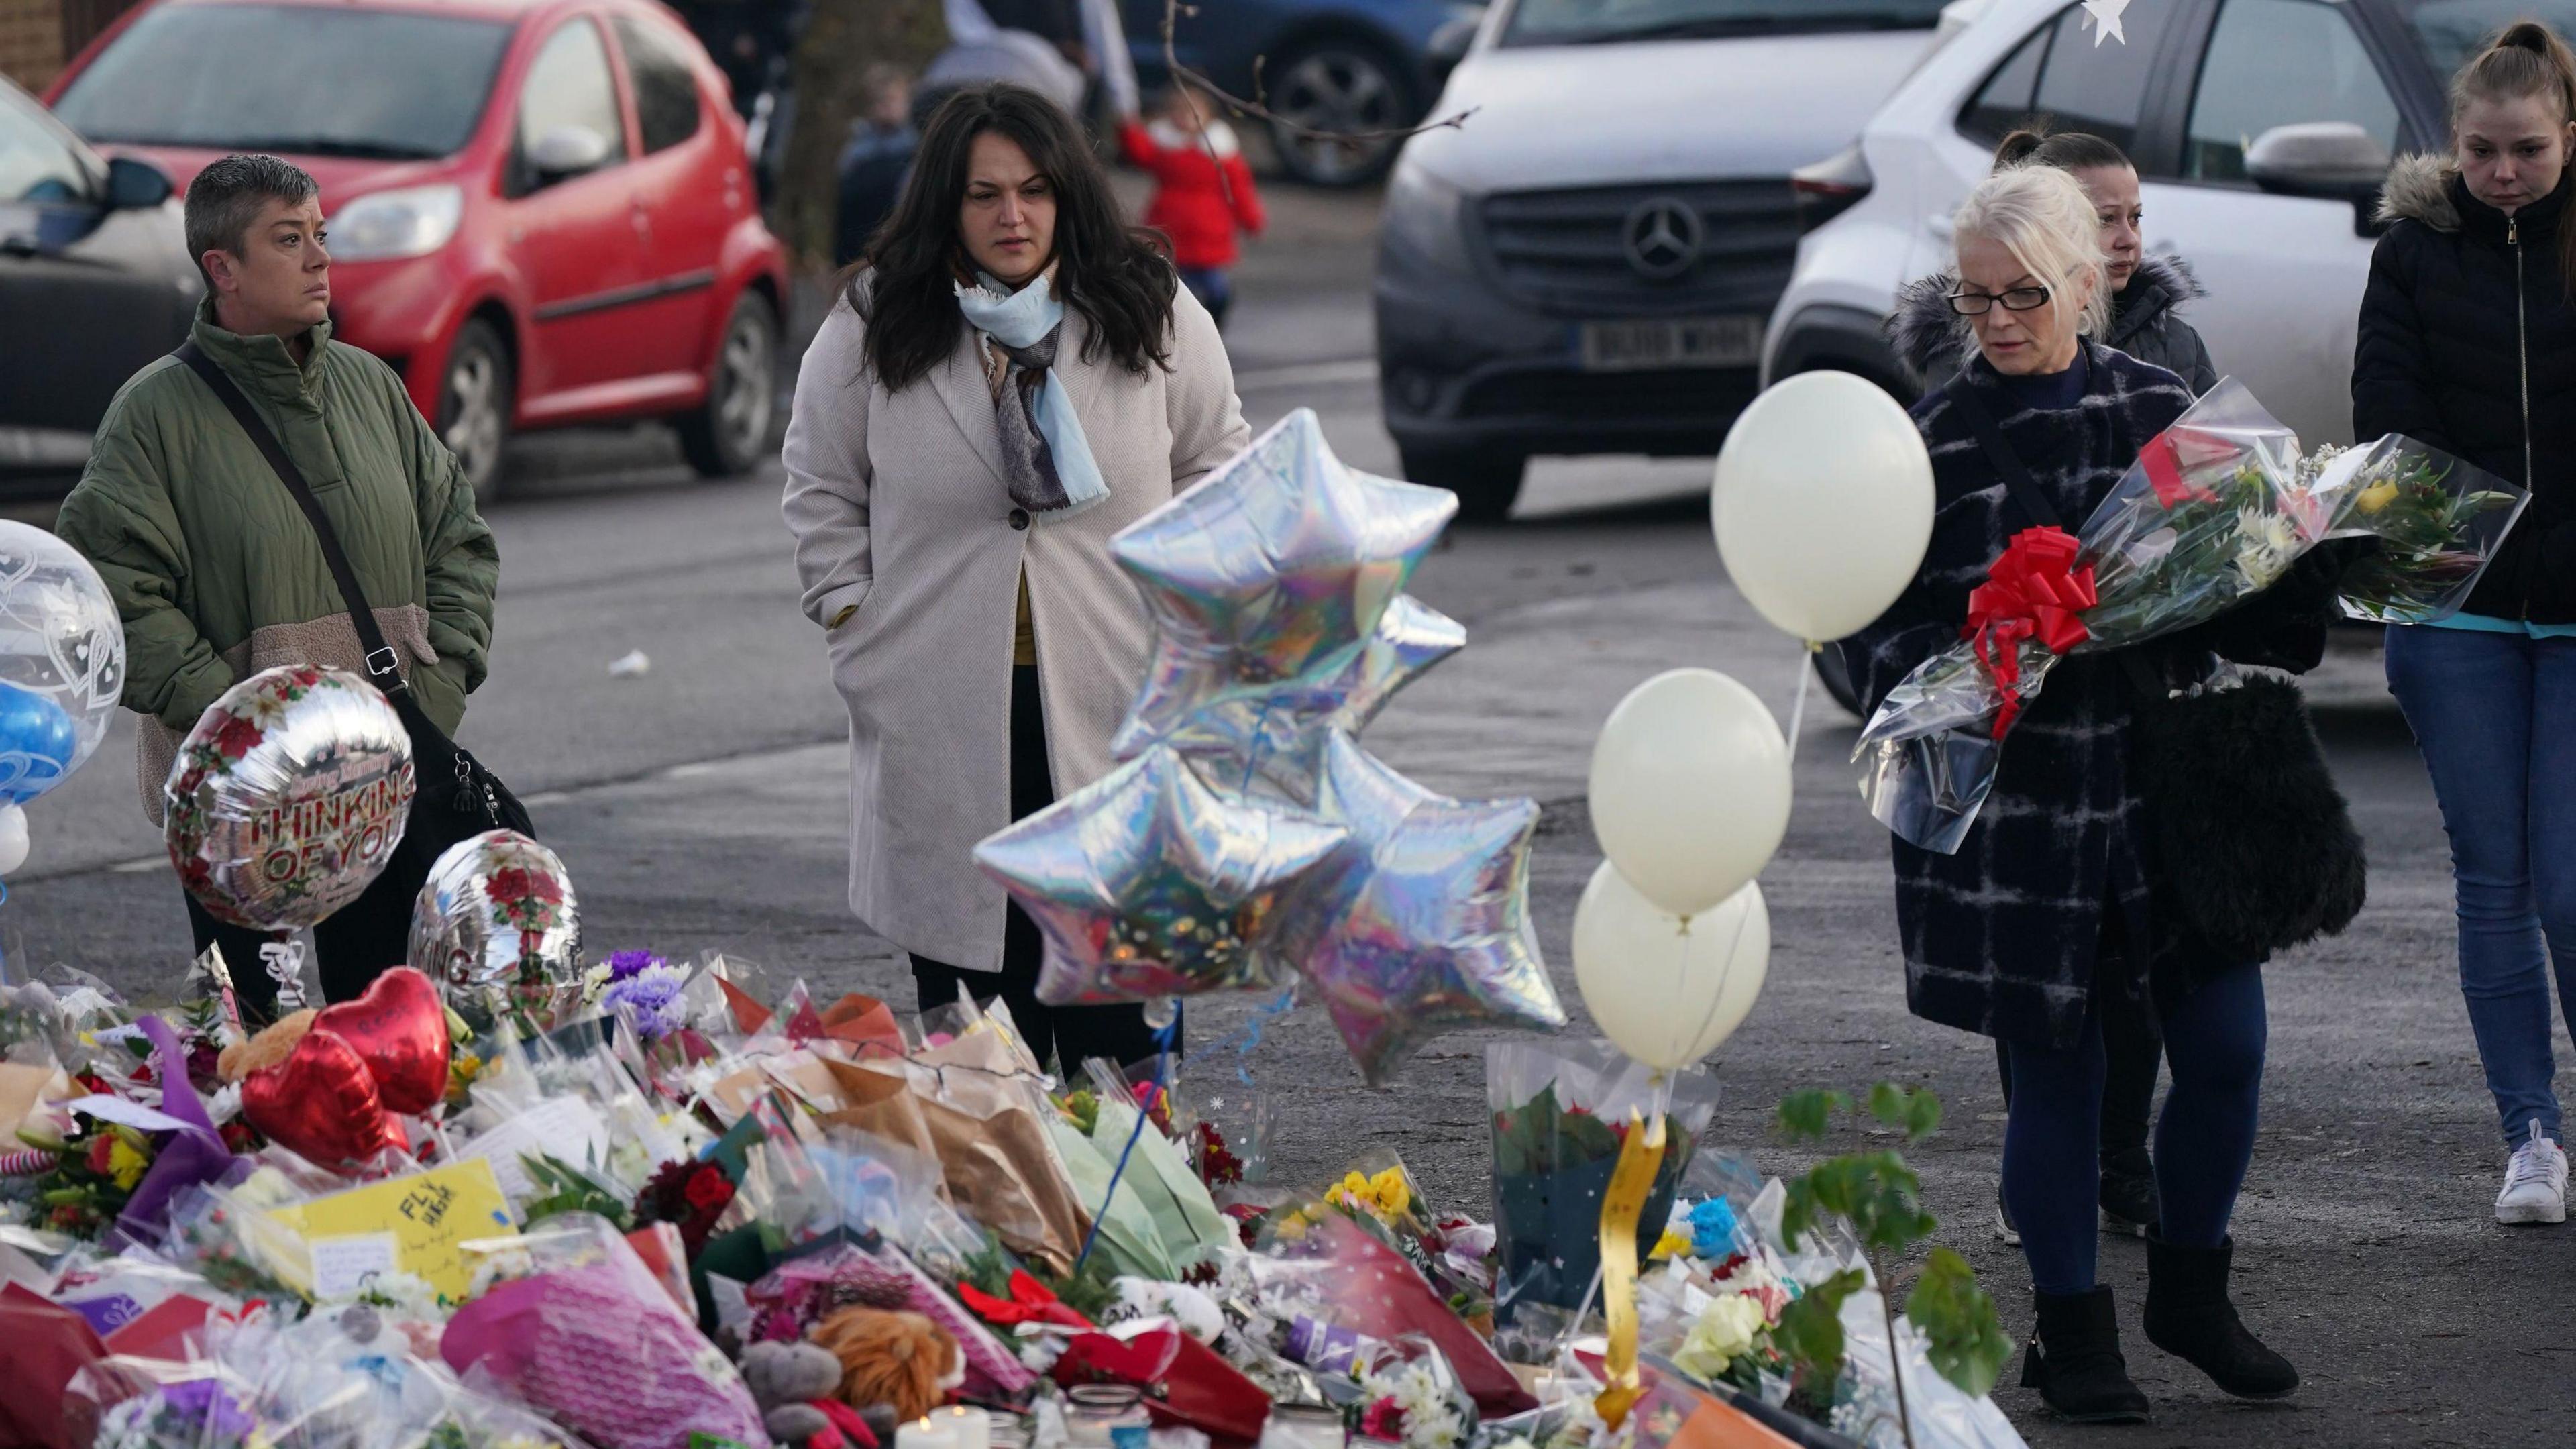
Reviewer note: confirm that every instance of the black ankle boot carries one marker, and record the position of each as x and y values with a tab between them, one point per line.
2074	1360
2190	1317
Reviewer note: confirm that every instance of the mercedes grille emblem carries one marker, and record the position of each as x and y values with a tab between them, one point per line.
1663	236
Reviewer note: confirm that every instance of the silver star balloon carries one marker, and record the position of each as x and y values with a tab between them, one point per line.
1147	883
1435	931
1273	743
1266	584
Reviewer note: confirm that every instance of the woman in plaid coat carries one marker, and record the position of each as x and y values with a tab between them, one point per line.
2041	924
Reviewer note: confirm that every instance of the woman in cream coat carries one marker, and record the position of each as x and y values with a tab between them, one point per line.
1011	376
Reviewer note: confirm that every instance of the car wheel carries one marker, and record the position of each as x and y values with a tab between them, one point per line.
1487	482
1834	673
474	406
1339	86
726	437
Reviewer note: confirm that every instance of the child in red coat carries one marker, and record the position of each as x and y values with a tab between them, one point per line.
1199	199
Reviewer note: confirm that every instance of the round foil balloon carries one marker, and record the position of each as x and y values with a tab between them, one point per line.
498	913
288	797
62	661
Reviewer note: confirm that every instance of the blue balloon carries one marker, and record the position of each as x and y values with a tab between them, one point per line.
37	744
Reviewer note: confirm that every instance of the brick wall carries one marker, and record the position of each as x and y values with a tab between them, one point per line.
31	41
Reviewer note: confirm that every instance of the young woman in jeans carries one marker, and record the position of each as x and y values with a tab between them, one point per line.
2468	343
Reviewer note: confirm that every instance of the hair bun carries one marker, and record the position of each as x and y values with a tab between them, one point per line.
2017	147
2528	35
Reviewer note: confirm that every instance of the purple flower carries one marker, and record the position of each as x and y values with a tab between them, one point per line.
625	965
204	1403
649	1000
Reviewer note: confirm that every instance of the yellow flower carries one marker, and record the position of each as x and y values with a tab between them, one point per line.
1724	1330
2376	497
125	1164
1671	1245
1391	1193
1293	1227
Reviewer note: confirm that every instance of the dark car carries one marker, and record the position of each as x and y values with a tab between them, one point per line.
95	282
1347	66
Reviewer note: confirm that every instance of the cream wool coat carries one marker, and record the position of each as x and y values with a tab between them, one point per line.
898	505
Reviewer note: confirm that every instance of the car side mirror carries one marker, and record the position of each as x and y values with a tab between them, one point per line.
568	151
2334	159
135	185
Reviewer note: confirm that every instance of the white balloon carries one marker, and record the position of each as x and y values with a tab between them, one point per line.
1667	993
1822	504
13	839
1690	788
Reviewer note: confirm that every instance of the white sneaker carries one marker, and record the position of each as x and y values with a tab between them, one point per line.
2535	1183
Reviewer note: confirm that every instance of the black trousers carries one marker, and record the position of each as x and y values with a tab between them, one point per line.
354	946
1069	1034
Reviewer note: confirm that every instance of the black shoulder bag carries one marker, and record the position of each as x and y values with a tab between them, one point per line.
458	798
2254	843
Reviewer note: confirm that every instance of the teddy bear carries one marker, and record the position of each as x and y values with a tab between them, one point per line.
900	1360
793	1383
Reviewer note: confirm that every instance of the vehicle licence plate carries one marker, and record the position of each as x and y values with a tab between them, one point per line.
1672	342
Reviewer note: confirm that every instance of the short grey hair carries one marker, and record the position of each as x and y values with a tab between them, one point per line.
2042	216
227	197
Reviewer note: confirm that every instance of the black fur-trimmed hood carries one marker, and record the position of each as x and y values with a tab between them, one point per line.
1926	335
2419	190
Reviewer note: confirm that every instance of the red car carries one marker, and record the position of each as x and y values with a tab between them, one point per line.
540	211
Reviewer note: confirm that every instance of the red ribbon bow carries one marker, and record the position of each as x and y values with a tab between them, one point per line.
2170	453
1030	1302
2033	592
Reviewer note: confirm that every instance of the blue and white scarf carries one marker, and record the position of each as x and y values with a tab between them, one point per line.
1047	462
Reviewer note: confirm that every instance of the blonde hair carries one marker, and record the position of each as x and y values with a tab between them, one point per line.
2042	216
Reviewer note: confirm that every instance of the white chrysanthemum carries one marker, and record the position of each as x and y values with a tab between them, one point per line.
2266	545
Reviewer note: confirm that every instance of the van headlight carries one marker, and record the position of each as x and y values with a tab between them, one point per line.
1427	217
390	225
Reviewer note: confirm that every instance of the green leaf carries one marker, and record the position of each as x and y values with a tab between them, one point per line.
1810	1331
1963	1337
1808	1115
1922	1115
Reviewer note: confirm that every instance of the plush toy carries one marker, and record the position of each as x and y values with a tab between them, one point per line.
900	1360
793	1383
273	1045
1195	1312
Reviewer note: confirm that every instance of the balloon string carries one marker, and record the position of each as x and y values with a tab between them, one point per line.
1798	711
1716	998
1162	1075
1250	1032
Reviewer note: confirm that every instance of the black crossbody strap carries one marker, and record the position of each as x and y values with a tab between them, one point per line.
384	666
1999	454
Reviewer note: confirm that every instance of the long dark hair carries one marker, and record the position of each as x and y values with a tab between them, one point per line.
1110	272
2525	59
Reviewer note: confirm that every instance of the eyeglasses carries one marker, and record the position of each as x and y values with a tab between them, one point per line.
1978	304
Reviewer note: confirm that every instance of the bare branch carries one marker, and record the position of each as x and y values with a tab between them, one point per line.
1172	62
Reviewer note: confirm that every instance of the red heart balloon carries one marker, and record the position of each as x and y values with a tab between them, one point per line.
321	1103
399	1030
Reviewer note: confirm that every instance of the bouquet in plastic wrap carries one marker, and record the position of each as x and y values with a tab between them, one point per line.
2213	512
1560	1111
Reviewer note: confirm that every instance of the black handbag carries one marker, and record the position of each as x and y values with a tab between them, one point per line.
458	796
2255	849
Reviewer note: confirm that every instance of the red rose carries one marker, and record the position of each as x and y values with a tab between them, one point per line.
708	1191
98	1159
237	737
518	883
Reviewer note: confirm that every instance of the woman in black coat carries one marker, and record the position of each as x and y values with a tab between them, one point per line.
2468	343
2147	294
2040	926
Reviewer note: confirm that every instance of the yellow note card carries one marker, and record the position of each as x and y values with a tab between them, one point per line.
427	1213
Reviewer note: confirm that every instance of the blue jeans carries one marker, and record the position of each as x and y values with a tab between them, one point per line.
1214	289
2214	1037
2496	716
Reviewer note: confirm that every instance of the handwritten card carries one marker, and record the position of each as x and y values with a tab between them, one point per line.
567	1129
343	1264
427	1213
124	1113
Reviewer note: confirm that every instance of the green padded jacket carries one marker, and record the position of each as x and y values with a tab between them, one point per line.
215	569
